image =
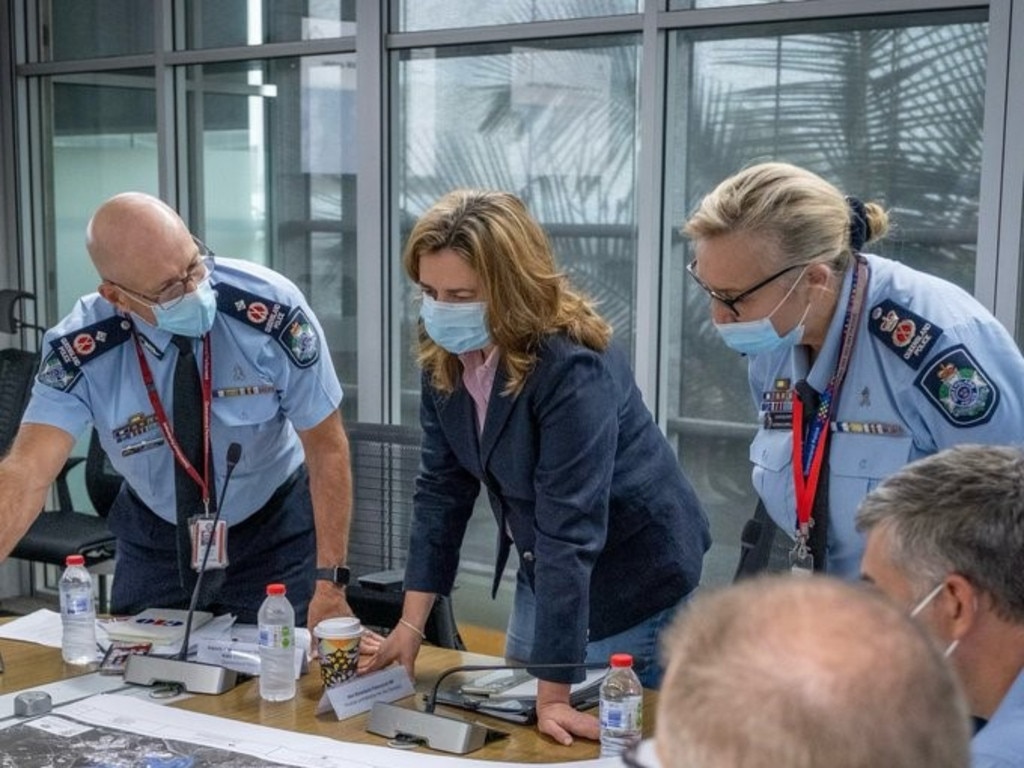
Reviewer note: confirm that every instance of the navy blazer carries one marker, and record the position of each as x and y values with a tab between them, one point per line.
607	527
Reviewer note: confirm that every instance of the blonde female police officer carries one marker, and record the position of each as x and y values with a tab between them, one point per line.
893	364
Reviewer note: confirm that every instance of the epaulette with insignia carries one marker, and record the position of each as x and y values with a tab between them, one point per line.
291	327
907	334
959	388
62	366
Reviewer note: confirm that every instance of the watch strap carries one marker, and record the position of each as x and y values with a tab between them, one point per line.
338	574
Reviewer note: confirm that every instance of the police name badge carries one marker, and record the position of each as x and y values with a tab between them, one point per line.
209	543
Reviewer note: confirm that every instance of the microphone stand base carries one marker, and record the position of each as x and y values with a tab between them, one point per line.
447	734
192	676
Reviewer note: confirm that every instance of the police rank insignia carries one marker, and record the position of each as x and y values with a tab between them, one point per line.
62	367
907	334
291	327
959	388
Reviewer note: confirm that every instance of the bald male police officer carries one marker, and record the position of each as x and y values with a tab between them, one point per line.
266	382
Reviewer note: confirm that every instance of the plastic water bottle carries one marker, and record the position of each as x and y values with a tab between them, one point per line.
622	707
77	613
276	620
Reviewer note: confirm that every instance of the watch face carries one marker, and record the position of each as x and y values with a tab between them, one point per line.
338	575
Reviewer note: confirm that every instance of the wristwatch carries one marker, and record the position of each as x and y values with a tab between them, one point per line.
339	574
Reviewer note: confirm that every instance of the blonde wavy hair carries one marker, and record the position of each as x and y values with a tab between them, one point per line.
527	297
808	218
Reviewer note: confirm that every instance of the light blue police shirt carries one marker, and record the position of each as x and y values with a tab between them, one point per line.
930	368
272	375
1000	744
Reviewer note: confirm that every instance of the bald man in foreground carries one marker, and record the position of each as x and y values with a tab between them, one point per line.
805	672
176	357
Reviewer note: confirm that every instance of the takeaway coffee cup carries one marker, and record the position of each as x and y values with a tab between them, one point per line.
337	646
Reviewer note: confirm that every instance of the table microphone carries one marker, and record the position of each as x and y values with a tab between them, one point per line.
448	734
430	700
191	676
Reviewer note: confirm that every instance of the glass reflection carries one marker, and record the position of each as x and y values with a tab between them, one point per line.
556	127
416	15
274	180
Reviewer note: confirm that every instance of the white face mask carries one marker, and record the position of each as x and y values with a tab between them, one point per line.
754	337
925	601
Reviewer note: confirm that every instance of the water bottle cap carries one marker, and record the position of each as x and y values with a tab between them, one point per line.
75	560
275	589
621	660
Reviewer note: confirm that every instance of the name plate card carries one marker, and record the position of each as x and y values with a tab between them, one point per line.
357	695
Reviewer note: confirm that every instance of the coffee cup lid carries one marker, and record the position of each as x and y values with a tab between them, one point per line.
341	626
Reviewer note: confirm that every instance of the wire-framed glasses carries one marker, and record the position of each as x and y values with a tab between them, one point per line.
732	301
199	271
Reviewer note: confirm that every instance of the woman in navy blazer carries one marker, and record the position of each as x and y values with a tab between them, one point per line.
522	392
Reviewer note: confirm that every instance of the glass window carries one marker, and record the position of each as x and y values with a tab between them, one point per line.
103	143
685	5
273	180
221	23
416	15
556	126
86	29
893	115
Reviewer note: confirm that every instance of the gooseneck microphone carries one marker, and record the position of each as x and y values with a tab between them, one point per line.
177	672
234	454
448	734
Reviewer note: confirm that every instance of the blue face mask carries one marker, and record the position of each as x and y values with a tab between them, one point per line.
754	337
193	315
457	328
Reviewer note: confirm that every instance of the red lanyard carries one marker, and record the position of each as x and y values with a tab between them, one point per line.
161	417
807	460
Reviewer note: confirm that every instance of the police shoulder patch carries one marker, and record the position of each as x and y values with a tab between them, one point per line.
907	334
955	384
290	327
62	366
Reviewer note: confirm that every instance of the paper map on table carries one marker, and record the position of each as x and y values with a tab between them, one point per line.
118	730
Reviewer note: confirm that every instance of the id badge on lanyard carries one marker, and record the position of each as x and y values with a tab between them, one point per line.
209	543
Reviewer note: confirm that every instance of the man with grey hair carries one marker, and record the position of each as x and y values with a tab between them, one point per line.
945	540
804	672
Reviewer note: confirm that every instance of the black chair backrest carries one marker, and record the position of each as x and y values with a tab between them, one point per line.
385	462
17	372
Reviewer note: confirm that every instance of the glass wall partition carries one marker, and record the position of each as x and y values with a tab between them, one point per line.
272	173
553	123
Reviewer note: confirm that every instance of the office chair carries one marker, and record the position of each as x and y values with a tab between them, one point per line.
385	463
55	534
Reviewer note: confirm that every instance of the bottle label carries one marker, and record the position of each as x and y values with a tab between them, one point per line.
276	636
74	605
627	714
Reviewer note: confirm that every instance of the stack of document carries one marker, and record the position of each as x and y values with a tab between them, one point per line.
163	627
511	694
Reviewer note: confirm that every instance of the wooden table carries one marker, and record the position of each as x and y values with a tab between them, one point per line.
29	665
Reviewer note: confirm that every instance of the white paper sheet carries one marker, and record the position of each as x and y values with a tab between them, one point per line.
293	749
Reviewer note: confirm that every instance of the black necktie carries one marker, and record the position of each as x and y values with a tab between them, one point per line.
188	431
817	538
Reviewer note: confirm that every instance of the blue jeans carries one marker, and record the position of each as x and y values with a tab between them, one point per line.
640	640
276	544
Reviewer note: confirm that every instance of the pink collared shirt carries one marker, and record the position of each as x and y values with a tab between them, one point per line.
478	375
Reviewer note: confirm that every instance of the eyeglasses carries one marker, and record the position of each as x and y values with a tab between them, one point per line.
198	272
731	302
